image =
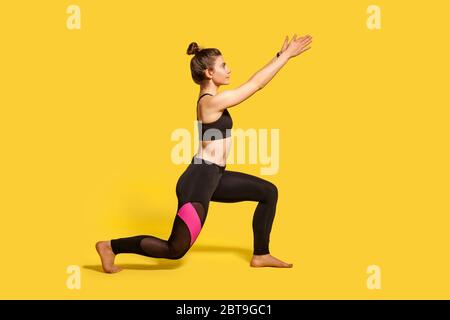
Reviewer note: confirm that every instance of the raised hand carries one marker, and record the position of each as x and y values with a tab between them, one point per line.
297	46
285	44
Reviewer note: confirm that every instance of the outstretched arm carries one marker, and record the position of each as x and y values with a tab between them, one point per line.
230	98
294	48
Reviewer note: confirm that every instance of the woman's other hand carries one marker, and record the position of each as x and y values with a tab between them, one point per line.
297	46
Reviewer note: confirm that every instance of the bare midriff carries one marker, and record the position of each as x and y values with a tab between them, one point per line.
215	150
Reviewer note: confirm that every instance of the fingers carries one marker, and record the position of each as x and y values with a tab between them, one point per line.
285	44
302	44
305	38
303	50
305	42
293	39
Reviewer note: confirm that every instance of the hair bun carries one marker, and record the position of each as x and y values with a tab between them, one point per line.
193	48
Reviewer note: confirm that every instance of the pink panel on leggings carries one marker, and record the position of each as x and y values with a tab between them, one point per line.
189	215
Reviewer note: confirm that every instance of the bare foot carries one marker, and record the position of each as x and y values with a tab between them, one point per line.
267	260
107	256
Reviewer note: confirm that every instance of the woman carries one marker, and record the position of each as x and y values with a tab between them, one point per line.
205	179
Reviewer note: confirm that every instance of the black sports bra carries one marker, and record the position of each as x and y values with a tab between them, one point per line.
215	130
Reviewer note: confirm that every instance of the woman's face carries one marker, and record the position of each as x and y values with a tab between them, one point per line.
221	71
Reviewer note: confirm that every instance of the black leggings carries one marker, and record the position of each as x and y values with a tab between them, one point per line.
200	183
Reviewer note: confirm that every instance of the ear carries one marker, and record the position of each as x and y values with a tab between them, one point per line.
209	73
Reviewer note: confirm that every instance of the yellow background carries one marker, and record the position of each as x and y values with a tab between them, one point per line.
85	124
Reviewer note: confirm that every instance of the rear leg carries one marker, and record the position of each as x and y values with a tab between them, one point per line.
187	226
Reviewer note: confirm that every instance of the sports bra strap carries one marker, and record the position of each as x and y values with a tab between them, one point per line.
204	95
199	100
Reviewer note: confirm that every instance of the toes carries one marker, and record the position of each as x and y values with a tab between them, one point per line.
113	270
116	268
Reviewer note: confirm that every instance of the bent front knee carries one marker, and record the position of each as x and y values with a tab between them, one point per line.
271	192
